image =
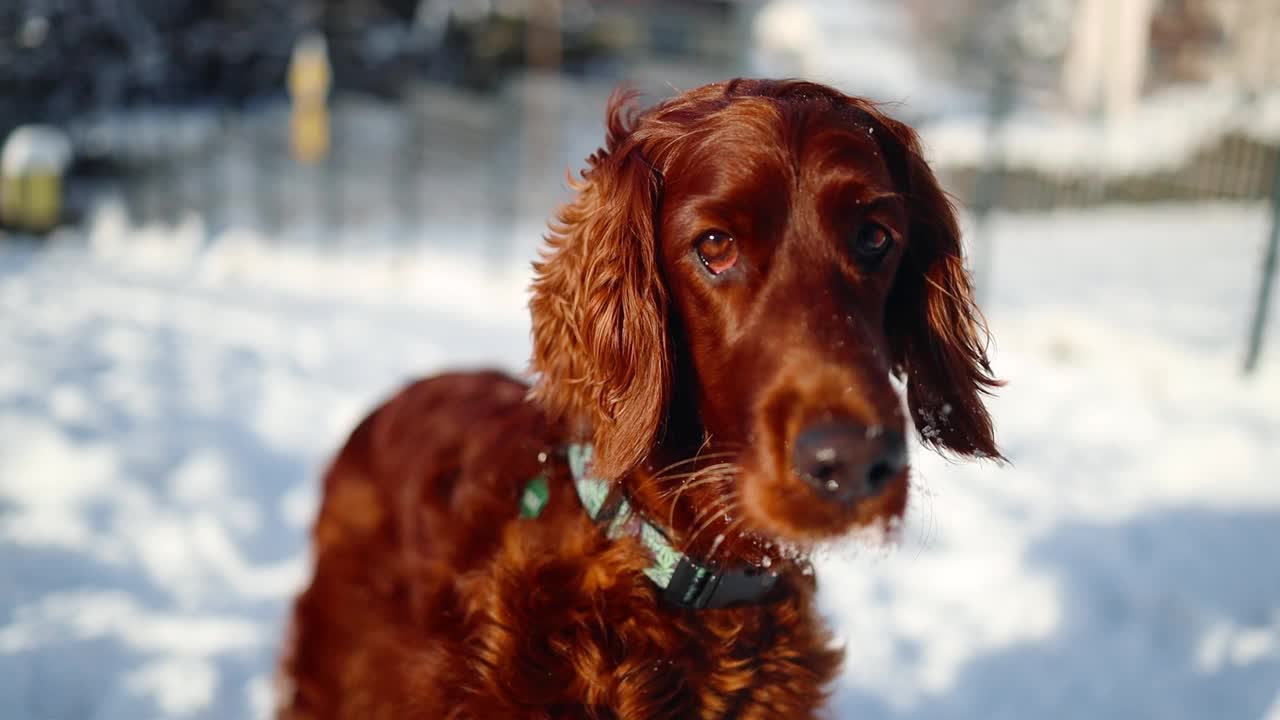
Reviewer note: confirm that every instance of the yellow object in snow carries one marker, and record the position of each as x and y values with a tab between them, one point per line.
309	80
31	169
309	134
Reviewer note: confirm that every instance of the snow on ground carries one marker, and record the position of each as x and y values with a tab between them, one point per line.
167	401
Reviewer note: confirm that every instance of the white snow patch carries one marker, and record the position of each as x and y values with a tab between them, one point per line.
113	613
1274	712
49	483
260	698
180	686
1225	643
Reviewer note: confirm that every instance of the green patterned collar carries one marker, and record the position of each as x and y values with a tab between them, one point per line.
683	581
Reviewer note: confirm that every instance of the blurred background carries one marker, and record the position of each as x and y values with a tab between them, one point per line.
229	227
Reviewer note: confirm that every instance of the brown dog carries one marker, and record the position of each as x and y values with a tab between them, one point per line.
715	321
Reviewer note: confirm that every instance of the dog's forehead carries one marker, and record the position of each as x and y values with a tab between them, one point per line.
779	147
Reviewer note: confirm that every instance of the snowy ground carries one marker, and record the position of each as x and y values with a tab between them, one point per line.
167	400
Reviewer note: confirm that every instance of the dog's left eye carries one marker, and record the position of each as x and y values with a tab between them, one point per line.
871	243
717	250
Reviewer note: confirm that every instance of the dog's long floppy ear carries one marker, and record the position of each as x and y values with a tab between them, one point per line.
599	305
937	333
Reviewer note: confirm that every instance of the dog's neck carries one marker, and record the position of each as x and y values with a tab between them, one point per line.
671	486
685	581
675	484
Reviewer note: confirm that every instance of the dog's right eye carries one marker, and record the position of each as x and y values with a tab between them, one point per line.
717	250
871	244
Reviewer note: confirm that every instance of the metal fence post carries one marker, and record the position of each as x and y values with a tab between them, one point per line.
1268	275
989	185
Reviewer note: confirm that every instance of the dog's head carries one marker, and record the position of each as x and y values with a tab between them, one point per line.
744	269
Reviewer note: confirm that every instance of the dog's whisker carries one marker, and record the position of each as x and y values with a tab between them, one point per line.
660	483
719	478
717	469
665	476
715	511
695	481
715	545
686	478
718	472
695	458
710	469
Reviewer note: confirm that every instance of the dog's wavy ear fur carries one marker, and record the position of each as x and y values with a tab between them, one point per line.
937	333
599	305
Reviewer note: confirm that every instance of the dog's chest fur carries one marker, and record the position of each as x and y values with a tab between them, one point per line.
429	585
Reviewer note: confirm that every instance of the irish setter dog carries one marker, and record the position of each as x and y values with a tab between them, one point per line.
725	320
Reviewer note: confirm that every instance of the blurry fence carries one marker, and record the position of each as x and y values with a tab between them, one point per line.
1232	167
448	155
438	159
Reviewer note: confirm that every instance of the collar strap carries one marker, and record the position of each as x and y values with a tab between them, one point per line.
683	581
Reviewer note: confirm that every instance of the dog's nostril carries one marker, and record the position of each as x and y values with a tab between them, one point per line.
878	476
825	471
828	474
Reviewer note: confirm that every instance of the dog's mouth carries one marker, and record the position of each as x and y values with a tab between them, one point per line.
739	510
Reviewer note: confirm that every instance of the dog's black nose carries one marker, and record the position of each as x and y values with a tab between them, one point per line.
847	462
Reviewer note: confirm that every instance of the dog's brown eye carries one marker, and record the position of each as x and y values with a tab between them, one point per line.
717	250
871	243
